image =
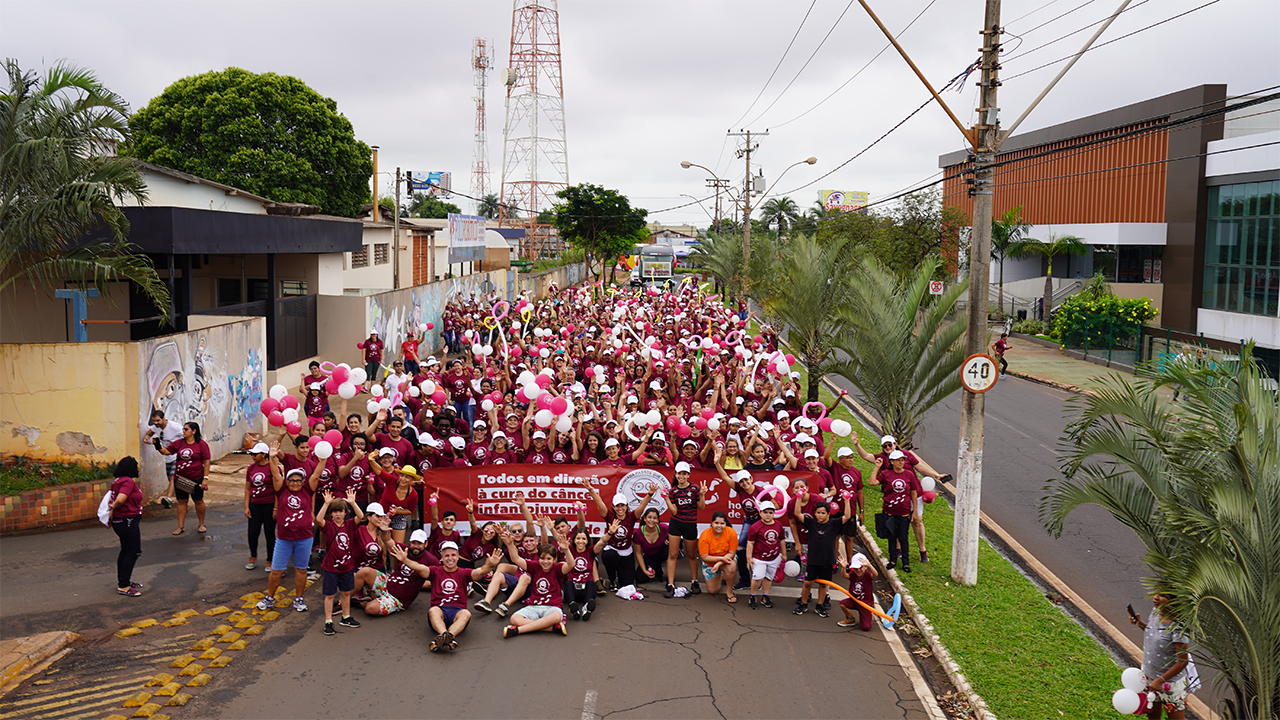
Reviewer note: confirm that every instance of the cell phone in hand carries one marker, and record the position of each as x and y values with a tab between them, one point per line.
1132	614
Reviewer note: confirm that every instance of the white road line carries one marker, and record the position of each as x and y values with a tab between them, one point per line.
589	706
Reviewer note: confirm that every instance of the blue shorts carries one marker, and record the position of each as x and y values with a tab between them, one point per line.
511	580
450	612
296	551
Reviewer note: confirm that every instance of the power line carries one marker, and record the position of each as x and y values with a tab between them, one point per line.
1059	17
806	63
775	67
860	70
1033	12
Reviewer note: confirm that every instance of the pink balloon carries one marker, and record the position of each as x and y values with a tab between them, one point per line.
438	397
543	381
791	359
541	345
313	441
293	428
275	418
773	367
288	401
708	413
700	423
569	327
684	431
544	402
824	424
269	406
331	387
333	437
431	326
497	397
341	374
516	351
589	372
520	396
929	496
673	422
564	332
559	405
804	411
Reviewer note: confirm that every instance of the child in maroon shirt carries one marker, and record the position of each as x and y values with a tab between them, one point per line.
339	562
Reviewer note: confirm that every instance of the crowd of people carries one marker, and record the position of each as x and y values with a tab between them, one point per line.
660	378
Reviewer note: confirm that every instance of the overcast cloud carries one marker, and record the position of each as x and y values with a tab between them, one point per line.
648	84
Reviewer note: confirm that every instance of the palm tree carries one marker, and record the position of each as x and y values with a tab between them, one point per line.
1056	245
1005	232
903	346
488	206
806	292
780	213
1199	483
60	185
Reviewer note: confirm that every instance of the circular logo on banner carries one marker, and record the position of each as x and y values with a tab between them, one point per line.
979	373
636	483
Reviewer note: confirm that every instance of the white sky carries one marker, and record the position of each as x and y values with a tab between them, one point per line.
650	83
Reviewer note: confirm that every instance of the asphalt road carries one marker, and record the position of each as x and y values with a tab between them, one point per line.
679	658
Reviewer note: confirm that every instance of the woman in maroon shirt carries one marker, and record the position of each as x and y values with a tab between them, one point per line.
192	471
126	511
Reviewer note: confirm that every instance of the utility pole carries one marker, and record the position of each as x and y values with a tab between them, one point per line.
395	235
719	185
746	192
986	134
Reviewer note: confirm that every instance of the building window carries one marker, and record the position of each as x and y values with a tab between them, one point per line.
293	288
228	292
381	253
361	258
1242	249
259	290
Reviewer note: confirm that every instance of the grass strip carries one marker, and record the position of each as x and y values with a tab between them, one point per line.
23	474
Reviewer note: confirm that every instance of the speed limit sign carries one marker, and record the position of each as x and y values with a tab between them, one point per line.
979	373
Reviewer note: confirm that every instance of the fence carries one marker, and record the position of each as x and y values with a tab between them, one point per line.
1162	344
1104	336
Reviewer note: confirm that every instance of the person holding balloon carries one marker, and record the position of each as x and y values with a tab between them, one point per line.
861	577
1164	660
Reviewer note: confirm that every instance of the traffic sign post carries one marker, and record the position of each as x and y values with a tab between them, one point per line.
979	373
935	287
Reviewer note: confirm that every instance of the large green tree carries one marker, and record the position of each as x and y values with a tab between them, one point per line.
599	221
779	213
427	206
1055	246
902	237
58	187
489	206
1199	483
269	134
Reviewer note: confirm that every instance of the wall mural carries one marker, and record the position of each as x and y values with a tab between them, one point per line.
394	313
213	377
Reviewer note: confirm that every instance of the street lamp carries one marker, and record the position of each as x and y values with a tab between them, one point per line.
746	199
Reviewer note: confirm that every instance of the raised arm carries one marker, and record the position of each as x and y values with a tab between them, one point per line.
273	460
595	495
471	516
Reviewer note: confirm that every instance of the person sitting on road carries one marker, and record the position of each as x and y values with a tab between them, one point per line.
544	610
650	540
718	548
579	589
395	590
449	615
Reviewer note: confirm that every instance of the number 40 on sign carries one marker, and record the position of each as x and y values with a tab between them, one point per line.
979	373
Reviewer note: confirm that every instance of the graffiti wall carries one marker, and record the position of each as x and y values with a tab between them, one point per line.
393	314
539	285
213	377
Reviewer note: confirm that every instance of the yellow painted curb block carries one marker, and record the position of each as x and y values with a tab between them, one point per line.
145	623
160	679
185	613
175	622
253	597
229	637
182	661
178	700
117	717
238	645
221	662
204	644
146	711
272	615
250	605
210	654
200	680
127	632
220	630
169	690
236	616
245	623
137	699
255	630
220	610
192	669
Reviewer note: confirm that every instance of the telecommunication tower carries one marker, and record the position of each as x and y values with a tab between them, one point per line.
481	62
535	161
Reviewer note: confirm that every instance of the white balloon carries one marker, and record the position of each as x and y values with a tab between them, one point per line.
277	392
791	569
655	418
927	484
548	372
564	424
358	376
645	352
477	350
532	392
384	404
414	392
323	449
641	419
749	387
372	406
1131	678
841	428
428	387
782	482
376	391
422	327
290	414
617	344
345	366
488	350
713	424
544	353
600	372
1125	701
542	418
486	405
525	378
347	390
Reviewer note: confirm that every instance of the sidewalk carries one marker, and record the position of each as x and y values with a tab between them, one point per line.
1030	360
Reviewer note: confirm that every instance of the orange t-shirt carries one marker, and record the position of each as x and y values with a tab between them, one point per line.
726	544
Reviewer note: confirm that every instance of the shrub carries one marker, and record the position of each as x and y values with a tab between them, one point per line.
1100	320
1028	327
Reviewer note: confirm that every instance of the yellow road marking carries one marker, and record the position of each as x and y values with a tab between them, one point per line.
29	700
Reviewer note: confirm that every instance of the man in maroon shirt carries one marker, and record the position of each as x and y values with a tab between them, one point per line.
395	590
449	583
372	348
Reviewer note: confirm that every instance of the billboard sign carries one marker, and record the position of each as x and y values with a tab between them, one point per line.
466	238
842	200
437	184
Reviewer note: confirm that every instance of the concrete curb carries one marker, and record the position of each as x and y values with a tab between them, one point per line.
27	656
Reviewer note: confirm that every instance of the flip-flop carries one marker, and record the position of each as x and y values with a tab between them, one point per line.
732	599
202	529
179	531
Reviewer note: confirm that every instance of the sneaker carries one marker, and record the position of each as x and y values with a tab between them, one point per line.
766	602
483	606
924	556
752	602
502	609
575	610
312	576
560	628
477	588
671	592
266	603
437	643
268	566
589	608
250	566
510	631
299	604
826	604
847	622
349	622
166	502
801	609
328	628
741	585
821	611
694	589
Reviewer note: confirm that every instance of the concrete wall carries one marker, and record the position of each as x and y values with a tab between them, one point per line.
373	277
70	402
31	314
214	377
1152	291
166	191
392	313
340	324
539	284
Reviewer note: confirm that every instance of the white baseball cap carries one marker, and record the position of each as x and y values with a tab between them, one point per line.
887	439
896	455
844	452
260	448
742	475
538	434
659	436
690	442
479	424
859	559
448	545
314	386
683	466
619	499
803	438
375	509
499	435
767	505
387	451
782	415
810	453
457	442
632	399
611	442
296	471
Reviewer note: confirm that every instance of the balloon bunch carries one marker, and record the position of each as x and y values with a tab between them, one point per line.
928	486
777	494
1133	698
324	446
281	408
552	409
431	391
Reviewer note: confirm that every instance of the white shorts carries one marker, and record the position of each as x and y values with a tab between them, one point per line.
765	569
537	612
920	506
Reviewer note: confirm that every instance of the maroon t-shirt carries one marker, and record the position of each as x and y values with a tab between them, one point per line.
613	462
897	489
846	480
621	538
476	549
132	506
440	536
262	490
191	457
315	405
768	540
402	447
294	519
449	588
581	565
367	551
651	548
403	583
560	456
339	556
537	457
505	457
390	500
372	351
357	479
546	586
476	453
